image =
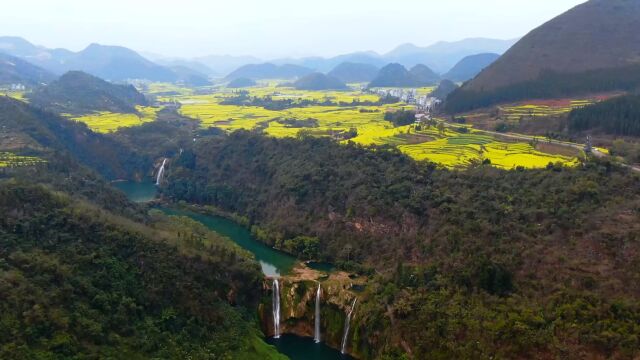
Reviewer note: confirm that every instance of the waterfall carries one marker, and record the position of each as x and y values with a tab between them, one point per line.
346	327
161	172
317	334
276	309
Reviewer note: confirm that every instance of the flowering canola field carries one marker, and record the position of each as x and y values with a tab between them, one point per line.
105	122
446	147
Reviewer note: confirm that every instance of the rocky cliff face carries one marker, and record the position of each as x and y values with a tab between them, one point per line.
297	304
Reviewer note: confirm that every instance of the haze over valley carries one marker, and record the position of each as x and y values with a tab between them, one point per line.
336	180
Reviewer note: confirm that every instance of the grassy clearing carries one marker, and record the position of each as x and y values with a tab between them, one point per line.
448	148
105	122
11	160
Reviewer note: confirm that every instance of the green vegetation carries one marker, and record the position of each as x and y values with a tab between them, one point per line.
78	93
106	122
78	281
48	136
548	85
506	258
629	151
351	115
541	109
443	90
401	117
11	160
617	116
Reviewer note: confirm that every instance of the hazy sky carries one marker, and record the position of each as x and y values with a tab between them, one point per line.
269	28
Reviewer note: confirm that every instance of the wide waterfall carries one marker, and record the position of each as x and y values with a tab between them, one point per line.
161	172
346	327
276	308
317	334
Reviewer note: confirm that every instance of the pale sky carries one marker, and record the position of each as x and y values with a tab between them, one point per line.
269	28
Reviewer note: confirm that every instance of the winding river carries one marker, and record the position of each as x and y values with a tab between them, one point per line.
273	263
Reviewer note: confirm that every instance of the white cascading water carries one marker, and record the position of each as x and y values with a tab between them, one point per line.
276	309
317	334
161	172
346	327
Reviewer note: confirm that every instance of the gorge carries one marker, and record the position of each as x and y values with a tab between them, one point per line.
294	304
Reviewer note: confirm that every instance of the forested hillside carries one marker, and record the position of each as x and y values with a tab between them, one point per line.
34	131
79	281
531	241
590	48
617	116
79	93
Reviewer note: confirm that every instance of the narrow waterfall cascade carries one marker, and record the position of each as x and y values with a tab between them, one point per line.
317	333
161	172
276	309
347	324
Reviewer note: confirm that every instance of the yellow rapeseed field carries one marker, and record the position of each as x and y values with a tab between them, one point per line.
446	147
105	122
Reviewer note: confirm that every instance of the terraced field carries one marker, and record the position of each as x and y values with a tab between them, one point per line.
446	147
455	151
516	112
105	122
11	160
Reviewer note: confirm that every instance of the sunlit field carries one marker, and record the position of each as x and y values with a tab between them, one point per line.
460	150
105	122
365	124
10	160
542	108
165	88
18	95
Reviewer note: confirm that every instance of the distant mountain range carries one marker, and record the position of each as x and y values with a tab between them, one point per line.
269	71
14	70
350	72
116	63
593	47
319	81
396	75
470	66
440	57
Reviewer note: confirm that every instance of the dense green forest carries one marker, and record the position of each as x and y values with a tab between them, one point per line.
629	151
502	252
617	116
401	117
549	85
78	281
